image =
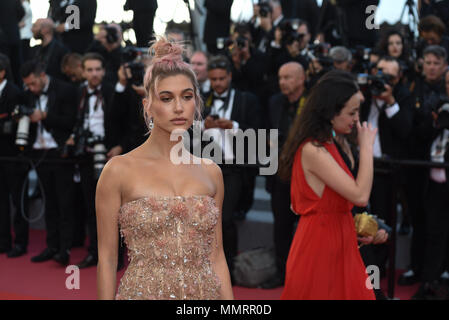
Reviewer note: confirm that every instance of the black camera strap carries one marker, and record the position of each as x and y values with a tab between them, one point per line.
85	105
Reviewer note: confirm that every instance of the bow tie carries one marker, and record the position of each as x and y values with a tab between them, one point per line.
220	98
93	93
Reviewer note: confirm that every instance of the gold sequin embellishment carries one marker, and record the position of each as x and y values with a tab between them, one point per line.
169	241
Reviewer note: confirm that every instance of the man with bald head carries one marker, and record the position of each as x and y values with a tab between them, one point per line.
51	51
282	111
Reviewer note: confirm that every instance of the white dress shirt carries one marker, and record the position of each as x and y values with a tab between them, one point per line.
44	139
373	119
94	121
437	151
220	134
25	31
2	86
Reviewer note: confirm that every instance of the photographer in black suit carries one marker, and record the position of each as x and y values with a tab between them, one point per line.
218	23
52	103
302	9
11	13
127	103
51	52
108	43
229	108
248	63
12	175
71	67
143	18
388	106
427	92
77	40
95	139
436	200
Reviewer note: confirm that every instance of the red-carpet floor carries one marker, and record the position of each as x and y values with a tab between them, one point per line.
20	279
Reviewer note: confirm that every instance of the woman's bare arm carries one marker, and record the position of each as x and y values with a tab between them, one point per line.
217	258
107	202
319	162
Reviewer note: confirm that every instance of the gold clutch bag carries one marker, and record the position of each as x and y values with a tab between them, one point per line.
365	225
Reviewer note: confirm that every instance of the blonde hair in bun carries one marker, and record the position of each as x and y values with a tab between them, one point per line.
167	61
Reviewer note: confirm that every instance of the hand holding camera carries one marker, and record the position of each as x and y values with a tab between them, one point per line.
387	95
123	75
210	121
224	123
37	116
109	37
239	50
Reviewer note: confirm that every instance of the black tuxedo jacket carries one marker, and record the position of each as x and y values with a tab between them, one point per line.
111	116
277	108
218	20
245	110
395	132
141	5
79	40
61	111
304	9
11	12
8	100
51	56
132	128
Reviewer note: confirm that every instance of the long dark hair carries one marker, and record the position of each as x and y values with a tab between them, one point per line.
383	44
326	100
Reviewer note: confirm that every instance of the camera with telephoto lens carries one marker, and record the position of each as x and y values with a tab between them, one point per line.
374	84
320	52
130	59
22	113
86	143
289	33
99	151
378	82
360	56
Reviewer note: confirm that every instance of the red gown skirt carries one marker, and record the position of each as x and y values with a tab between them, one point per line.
324	261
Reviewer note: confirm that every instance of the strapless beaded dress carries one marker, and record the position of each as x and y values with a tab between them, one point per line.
169	241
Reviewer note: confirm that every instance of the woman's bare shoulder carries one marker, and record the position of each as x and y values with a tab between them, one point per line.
116	166
311	148
213	170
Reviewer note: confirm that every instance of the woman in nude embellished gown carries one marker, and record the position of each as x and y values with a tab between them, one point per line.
169	214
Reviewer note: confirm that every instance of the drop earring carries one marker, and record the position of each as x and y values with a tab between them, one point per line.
151	124
333	133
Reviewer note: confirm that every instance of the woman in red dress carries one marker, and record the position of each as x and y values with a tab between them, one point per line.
324	261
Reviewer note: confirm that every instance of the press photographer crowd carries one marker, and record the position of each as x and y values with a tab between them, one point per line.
73	102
